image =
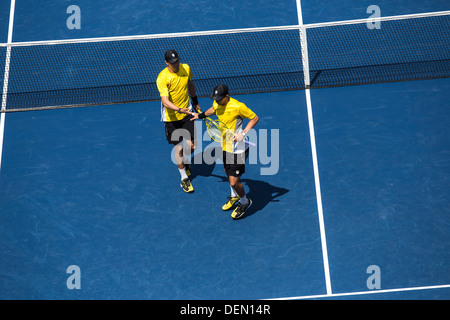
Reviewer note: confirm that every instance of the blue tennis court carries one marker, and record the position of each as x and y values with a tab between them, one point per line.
95	187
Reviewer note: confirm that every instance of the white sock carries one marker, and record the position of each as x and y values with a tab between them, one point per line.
233	192
183	173
243	200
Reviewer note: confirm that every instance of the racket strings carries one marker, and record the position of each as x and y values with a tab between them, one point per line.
219	131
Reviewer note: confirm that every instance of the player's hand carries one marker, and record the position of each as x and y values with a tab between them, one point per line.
238	137
195	115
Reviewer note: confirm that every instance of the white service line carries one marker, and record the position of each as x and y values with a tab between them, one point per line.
225	31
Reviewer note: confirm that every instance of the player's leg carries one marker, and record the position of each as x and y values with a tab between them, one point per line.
191	143
174	135
233	198
244	202
235	169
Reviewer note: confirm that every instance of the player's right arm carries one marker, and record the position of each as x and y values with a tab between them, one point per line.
207	113
169	104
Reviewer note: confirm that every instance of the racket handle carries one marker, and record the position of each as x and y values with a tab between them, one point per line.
250	143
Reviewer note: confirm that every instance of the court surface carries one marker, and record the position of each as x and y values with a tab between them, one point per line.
95	187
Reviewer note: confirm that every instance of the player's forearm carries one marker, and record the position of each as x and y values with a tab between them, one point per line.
251	124
209	112
170	105
191	89
193	95
203	115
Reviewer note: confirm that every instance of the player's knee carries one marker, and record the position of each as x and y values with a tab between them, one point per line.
190	147
234	182
178	147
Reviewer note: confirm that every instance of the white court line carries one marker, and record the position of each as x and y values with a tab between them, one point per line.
6	77
444	286
304	45
326	265
225	31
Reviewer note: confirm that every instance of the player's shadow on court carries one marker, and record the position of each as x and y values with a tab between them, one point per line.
203	164
261	192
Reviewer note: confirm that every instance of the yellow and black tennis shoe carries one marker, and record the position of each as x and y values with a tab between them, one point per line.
230	203
240	209
187	186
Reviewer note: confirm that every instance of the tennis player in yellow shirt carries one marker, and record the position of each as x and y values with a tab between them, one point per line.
232	113
175	85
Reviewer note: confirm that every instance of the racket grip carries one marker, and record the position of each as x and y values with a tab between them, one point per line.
250	143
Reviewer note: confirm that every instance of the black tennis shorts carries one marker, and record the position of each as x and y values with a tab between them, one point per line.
234	163
177	130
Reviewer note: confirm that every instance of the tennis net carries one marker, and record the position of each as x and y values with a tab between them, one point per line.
84	72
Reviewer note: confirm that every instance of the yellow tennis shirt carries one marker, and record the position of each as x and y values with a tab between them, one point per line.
233	115
174	86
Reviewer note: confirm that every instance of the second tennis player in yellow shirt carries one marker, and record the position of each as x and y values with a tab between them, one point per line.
232	113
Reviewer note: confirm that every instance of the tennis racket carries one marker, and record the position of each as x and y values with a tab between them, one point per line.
218	131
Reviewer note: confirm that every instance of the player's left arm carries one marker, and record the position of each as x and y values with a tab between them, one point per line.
193	94
245	112
248	127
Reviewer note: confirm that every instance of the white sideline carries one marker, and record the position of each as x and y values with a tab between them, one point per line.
304	46
6	77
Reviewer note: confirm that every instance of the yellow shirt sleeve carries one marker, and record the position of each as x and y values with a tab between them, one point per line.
245	112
